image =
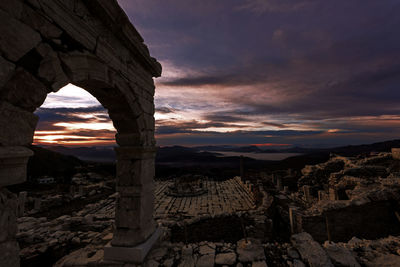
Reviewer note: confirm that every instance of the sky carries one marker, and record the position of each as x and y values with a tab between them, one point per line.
273	73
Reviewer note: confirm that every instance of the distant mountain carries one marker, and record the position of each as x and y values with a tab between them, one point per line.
45	162
208	155
256	149
97	154
175	155
360	149
345	150
244	149
179	160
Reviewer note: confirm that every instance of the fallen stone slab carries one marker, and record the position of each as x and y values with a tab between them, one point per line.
206	261
387	260
259	264
225	258
340	256
250	251
310	251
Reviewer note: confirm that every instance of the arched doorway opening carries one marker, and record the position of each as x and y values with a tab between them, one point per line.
129	103
73	117
67	202
135	143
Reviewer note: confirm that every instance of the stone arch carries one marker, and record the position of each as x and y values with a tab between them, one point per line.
47	44
113	93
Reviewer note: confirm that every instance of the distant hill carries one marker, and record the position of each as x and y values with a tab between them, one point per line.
96	154
360	149
256	149
345	150
244	149
209	154
45	162
174	160
181	153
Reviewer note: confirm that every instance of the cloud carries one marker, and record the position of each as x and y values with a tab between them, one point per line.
225	117
173	127
267	6
165	110
278	125
222	79
309	72
69	126
50	116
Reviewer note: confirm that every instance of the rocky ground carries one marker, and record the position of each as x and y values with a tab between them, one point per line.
301	251
258	236
41	239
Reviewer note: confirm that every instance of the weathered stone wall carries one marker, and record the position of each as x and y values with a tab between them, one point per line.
370	221
46	44
396	153
8	229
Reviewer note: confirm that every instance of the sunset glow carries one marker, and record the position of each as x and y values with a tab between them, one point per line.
283	80
73	117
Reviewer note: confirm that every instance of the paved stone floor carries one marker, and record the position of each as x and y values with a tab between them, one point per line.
222	197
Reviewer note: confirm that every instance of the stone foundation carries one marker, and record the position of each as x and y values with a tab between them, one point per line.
396	153
371	220
9	248
133	254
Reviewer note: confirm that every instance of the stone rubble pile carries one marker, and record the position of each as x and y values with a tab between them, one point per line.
355	252
203	254
38	235
370	185
319	174
338	167
45	202
82	228
301	252
358	182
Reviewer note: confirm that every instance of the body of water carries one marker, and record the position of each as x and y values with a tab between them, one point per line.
260	156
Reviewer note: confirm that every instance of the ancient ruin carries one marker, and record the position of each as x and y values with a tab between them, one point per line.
187	186
47	44
338	209
333	217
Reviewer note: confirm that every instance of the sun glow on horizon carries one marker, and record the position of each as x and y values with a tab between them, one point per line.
72	116
92	126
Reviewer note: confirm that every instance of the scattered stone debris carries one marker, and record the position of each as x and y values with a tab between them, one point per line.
339	235
359	199
39	236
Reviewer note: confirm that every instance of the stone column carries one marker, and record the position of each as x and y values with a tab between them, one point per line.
307	193
21	203
396	153
80	190
321	195
332	194
279	183
286	189
9	247
13	162
37	204
292	219
135	231
72	190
